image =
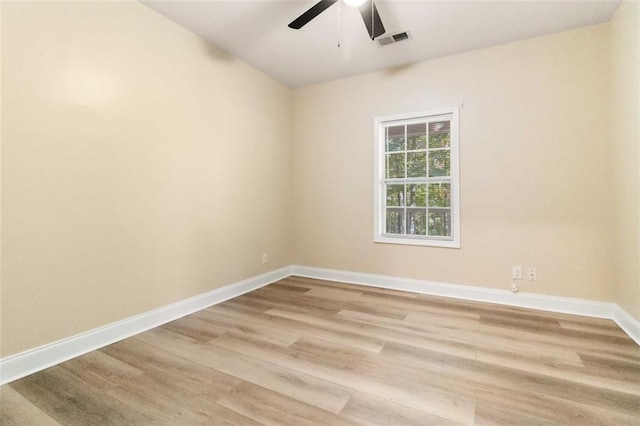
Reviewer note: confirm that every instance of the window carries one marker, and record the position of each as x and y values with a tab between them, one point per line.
417	190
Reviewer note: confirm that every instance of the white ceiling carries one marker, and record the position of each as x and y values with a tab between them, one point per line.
257	32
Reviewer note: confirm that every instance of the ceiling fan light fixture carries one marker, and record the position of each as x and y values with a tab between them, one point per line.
354	3
367	9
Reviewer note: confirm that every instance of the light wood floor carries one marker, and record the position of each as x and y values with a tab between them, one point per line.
303	352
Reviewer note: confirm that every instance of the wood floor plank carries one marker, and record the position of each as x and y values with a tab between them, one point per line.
573	341
323	394
492	414
551	329
70	401
334	293
498	383
438	327
248	327
251	301
373	411
308	352
542	351
549	410
226	417
571	373
283	285
191	375
169	403
343	367
275	409
341	337
611	368
183	384
350	301
608	330
163	400
392	382
439	317
101	370
195	327
16	410
314	283
439	342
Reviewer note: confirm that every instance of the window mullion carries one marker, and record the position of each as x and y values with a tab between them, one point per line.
406	148
427	176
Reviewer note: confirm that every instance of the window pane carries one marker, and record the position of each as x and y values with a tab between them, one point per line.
440	222
439	195
440	134
417	136
395	138
439	163
395	221
395	195
416	222
417	164
395	166
417	195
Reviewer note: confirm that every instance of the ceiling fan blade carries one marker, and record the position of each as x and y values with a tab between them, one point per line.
374	27
316	10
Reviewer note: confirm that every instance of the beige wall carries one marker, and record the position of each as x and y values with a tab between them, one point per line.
625	39
1	345
140	166
535	169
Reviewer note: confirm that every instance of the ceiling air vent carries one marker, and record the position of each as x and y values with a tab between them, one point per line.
393	38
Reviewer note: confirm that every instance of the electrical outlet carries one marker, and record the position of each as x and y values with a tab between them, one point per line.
265	258
531	273
516	272
514	288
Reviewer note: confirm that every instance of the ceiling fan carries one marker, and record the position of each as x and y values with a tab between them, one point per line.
367	8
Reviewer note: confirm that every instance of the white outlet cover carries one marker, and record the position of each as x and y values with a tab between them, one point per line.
516	273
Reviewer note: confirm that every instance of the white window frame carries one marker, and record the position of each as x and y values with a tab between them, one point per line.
379	198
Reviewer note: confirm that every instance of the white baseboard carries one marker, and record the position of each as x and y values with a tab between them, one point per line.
34	360
459	291
564	305
627	323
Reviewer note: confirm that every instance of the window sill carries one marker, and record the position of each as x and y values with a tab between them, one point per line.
417	242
